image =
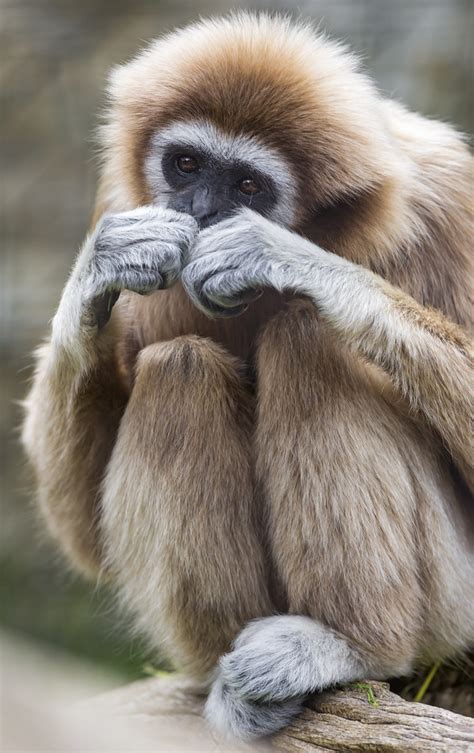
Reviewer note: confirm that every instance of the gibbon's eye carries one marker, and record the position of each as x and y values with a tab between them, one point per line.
249	186
187	164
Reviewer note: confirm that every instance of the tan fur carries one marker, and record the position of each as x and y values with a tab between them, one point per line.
355	516
358	499
183	454
71	421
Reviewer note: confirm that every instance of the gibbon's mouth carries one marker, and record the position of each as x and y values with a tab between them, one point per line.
209	219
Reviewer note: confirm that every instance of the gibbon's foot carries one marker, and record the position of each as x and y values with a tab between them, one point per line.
236	717
275	663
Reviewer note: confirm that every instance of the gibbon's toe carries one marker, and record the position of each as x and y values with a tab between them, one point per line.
235	717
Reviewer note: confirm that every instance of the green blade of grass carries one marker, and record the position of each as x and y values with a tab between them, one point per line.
427	682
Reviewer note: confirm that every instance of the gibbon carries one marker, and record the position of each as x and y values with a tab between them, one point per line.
281	497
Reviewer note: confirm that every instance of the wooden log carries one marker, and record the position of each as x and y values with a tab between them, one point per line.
368	717
364	716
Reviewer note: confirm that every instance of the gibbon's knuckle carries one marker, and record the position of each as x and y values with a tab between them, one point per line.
193	287
172	239
187	222
146	212
119	220
213	240
191	278
260	676
246	224
169	215
237	669
206	234
170	269
197	249
230	240
218	286
224	290
185	236
103	243
189	232
204	296
203	269
180	222
170	253
141	281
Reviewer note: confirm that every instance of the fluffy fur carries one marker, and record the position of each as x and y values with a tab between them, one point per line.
310	457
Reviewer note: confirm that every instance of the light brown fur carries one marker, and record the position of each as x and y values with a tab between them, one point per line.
325	485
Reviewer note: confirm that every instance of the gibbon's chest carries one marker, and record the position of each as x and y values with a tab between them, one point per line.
167	314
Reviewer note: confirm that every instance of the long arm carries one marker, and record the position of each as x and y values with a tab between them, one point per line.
72	416
74	408
428	358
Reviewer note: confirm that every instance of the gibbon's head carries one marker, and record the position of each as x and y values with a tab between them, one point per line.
249	110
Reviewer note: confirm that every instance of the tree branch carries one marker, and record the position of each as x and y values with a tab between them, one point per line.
365	717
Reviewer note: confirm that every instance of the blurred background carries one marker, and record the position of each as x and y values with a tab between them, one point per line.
55	55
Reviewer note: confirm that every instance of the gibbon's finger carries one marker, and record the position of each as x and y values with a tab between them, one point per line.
227	290
218	239
199	274
211	308
216	309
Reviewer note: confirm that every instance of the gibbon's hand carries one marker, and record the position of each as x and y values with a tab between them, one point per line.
227	266
232	261
141	250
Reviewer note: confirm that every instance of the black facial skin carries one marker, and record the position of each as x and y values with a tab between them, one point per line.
210	190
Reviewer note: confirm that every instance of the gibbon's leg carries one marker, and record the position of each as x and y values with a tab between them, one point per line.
178	513
355	507
427	358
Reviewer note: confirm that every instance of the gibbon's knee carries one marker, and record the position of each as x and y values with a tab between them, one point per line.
297	337
186	357
191	380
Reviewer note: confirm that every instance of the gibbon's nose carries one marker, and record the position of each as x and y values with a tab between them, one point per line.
206	207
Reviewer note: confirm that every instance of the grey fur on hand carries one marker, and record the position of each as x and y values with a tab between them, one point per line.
229	264
141	250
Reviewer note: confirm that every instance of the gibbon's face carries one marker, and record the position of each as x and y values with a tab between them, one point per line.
198	169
